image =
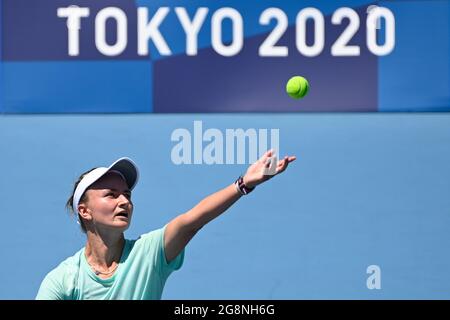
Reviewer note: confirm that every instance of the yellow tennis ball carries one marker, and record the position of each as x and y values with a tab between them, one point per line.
297	87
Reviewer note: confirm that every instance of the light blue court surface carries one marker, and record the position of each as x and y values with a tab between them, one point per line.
367	189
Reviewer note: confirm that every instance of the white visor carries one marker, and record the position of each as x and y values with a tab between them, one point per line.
124	166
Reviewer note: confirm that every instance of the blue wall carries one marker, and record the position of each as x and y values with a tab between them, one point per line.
365	190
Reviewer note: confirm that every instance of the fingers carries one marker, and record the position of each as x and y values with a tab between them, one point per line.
283	164
271	166
267	155
270	161
289	159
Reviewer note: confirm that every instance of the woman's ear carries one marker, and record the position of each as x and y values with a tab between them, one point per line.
84	211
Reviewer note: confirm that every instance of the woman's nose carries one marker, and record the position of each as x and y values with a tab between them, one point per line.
123	200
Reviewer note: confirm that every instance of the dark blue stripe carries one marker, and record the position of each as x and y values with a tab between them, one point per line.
247	83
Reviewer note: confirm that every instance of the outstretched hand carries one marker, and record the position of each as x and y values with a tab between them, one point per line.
265	168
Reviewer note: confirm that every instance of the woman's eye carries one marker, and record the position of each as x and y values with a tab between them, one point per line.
115	195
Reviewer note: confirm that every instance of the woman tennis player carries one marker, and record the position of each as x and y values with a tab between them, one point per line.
112	267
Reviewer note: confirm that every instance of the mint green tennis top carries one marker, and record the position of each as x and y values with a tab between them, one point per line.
141	274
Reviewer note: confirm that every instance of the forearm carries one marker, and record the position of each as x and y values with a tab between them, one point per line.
211	207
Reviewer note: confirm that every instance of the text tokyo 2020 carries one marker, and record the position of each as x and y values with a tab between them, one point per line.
149	23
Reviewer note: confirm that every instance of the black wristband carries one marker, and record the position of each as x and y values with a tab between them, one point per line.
241	187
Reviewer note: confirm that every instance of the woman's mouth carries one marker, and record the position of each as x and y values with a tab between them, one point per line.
122	214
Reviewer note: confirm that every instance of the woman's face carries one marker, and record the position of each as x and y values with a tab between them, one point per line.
109	202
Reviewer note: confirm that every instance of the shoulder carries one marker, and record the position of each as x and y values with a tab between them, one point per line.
152	238
154	241
149	247
150	243
59	282
66	268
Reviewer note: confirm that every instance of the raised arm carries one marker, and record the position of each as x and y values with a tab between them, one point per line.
182	229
